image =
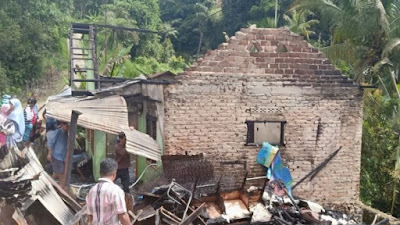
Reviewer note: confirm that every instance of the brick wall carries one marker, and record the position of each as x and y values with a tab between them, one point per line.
284	78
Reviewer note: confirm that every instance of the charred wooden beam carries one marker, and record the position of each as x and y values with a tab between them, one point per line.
315	171
70	149
193	216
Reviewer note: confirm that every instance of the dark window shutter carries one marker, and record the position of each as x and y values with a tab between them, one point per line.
250	132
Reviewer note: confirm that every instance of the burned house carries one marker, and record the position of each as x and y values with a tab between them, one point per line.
269	85
264	85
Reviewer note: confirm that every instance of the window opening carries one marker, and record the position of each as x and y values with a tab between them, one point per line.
283	48
151	126
254	49
259	132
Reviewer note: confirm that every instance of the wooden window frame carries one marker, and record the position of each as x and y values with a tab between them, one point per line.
151	128
250	132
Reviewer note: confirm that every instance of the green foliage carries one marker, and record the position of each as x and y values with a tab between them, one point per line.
236	14
299	24
379	149
148	66
364	34
263	14
345	67
196	24
5	82
364	40
30	32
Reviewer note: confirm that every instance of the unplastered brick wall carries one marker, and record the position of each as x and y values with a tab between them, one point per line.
264	74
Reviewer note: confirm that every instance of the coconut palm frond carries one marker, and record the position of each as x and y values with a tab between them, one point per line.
120	58
297	22
383	16
383	85
312	22
378	66
287	19
169	30
345	51
372	21
319	5
394	13
390	46
387	78
329	11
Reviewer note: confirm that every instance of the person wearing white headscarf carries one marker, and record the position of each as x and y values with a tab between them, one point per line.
6	128
17	117
3	118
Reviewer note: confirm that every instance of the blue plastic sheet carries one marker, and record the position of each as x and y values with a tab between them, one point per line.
266	154
281	172
270	157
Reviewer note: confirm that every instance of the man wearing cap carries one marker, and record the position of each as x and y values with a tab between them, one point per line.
123	159
106	201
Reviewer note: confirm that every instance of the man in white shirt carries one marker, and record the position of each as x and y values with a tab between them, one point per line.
106	201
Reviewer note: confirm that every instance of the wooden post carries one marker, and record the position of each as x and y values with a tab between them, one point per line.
70	150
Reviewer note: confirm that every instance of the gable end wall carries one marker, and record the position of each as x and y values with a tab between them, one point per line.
206	110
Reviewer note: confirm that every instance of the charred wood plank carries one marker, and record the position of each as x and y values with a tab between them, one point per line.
315	171
70	149
193	216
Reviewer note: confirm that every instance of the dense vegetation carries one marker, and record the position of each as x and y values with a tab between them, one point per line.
361	38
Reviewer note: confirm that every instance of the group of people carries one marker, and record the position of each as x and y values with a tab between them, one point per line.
106	200
16	123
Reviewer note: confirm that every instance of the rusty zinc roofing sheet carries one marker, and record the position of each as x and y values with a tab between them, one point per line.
109	114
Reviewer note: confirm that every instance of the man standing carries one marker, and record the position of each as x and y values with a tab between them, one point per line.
123	159
57	146
105	200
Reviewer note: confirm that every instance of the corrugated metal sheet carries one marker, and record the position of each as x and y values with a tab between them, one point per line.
108	114
40	188
45	192
152	90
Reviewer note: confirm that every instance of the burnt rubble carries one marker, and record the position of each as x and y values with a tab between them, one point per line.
191	199
176	204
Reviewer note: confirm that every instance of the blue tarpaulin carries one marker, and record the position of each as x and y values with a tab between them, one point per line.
266	154
270	157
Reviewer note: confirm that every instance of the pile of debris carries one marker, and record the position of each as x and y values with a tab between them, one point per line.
176	204
181	197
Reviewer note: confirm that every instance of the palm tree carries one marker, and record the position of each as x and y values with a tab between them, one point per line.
365	34
299	24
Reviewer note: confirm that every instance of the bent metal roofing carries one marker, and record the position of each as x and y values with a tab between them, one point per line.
110	115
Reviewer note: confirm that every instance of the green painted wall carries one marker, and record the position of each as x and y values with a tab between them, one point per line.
100	147
141	161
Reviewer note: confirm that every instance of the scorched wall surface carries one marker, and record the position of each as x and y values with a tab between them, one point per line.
269	74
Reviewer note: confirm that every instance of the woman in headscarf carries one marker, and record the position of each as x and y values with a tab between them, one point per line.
3	130
17	117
